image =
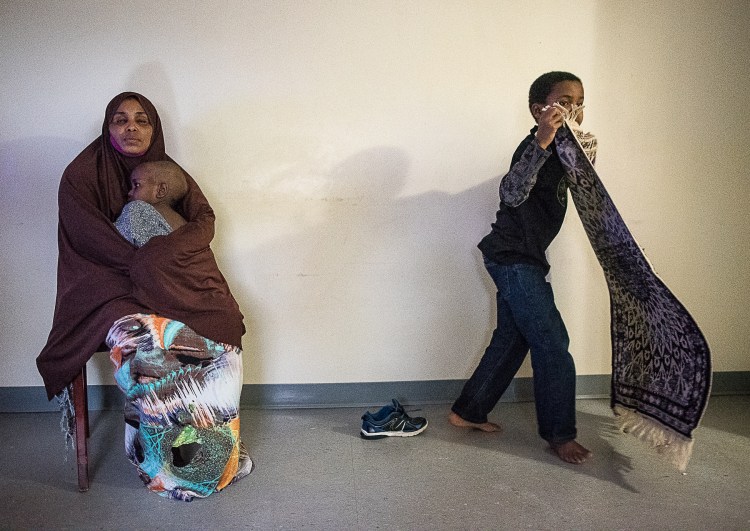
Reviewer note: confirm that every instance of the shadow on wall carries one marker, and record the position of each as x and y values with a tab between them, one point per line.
30	171
356	279
350	276
364	283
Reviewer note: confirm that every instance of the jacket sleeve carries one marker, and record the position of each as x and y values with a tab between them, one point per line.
516	185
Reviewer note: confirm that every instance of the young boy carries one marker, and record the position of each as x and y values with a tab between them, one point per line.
155	188
533	200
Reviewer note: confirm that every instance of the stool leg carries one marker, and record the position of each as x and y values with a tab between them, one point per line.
80	407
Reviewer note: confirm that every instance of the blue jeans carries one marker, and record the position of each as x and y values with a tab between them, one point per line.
527	319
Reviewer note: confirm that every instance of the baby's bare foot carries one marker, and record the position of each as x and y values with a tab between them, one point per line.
488	427
571	452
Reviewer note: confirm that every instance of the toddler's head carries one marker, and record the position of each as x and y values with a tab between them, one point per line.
158	182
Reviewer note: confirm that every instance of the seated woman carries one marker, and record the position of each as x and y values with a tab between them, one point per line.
168	296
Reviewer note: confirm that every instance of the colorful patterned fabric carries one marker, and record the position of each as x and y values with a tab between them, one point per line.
182	394
661	363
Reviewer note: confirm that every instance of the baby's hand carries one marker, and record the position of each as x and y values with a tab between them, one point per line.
549	121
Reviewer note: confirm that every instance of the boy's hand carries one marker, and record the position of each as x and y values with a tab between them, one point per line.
549	121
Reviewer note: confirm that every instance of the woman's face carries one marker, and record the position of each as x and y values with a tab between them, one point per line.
130	130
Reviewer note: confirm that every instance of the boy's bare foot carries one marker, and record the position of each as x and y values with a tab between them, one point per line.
488	427
571	452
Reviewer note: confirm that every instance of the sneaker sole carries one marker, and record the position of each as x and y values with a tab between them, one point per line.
384	434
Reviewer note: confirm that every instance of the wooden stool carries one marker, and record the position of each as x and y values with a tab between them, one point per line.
81	410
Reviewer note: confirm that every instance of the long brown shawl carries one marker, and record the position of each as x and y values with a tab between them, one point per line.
102	277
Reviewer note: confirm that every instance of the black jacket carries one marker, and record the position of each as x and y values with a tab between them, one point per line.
533	200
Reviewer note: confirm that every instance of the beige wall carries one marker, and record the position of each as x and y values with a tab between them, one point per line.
352	152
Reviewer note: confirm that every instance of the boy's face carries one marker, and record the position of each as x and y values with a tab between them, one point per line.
565	93
143	187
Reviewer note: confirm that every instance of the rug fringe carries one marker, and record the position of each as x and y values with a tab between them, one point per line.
67	417
675	447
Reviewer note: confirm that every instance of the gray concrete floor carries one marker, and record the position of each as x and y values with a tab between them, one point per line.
314	472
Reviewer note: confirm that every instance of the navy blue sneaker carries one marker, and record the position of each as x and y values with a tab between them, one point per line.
391	421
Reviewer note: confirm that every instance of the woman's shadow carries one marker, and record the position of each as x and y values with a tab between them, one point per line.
367	268
30	176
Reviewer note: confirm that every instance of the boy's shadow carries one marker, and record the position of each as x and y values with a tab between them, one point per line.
364	270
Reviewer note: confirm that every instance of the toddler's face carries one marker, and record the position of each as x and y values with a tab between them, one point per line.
143	187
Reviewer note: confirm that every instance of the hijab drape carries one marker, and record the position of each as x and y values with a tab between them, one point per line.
101	277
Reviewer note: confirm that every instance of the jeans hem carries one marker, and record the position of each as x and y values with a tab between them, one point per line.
453	409
559	442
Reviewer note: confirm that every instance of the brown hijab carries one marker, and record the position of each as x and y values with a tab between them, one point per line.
102	277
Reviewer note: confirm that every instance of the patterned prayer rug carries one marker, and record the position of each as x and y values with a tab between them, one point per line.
661	363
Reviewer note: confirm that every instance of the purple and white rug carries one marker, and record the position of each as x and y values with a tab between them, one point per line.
661	363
